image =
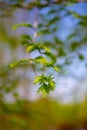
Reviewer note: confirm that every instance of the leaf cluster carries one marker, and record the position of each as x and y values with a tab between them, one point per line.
45	58
46	83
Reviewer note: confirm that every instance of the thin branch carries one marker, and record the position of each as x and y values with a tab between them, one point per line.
33	68
35	24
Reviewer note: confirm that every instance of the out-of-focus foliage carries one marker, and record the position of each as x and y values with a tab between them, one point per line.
42	114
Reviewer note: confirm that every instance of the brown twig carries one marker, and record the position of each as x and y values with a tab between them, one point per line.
35	24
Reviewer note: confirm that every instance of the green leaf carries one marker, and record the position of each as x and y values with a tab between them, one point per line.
40	25
16	26
74	46
42	89
46	49
40	59
81	57
54	20
52	84
56	69
57	41
50	55
71	36
40	79
76	15
16	95
26	40
31	48
43	32
27	37
83	23
54	29
52	11
46	83
49	64
23	61
37	79
61	52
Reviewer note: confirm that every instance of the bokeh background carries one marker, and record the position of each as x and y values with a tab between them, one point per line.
62	26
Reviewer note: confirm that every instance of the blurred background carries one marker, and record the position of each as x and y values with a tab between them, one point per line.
61	26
